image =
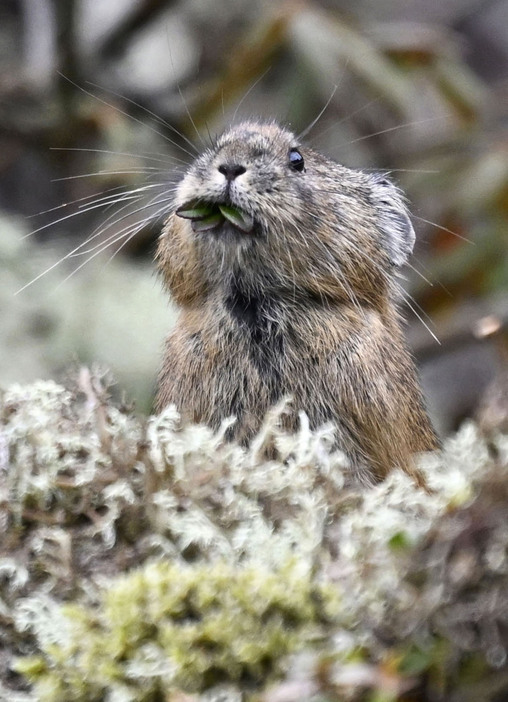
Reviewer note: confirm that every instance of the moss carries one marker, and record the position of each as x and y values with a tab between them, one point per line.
190	627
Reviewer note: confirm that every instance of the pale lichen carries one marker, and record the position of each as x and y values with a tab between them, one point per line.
146	560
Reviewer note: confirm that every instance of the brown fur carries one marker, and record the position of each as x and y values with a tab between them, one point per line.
303	306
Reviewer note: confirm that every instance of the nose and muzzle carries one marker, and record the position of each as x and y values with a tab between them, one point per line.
206	216
231	170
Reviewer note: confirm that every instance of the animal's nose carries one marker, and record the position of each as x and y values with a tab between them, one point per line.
231	170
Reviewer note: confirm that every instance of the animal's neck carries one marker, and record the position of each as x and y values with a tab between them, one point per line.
252	302
243	303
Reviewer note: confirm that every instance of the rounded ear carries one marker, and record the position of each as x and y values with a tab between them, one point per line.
396	230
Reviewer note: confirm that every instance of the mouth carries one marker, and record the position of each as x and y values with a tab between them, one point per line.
207	216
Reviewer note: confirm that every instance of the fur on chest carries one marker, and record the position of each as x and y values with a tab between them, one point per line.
257	322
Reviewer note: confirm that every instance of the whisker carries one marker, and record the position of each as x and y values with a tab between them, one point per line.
97	232
406	295
105	201
438	282
120	233
140	171
344	119
407	299
445	229
90	258
321	113
126	234
210	138
190	118
110	239
82	210
104	244
184	103
126	114
401	170
390	129
109	200
157	117
166	159
410	265
47	270
158	213
111	222
74	252
71	202
247	92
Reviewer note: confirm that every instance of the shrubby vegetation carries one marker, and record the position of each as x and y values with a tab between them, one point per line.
145	560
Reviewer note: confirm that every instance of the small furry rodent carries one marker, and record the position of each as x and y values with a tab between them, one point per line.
288	289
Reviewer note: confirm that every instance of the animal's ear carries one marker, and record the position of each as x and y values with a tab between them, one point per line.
393	219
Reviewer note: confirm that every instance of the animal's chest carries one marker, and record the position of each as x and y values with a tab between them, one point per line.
256	322
234	363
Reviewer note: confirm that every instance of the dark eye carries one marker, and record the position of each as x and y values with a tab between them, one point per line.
296	160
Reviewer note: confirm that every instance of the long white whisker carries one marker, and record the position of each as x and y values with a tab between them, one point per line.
87	208
109	200
401	170
445	229
128	235
344	119
73	202
424	278
157	117
120	233
390	129
70	254
321	113
138	171
166	160
126	114
413	309
74	251
113	219
438	282
184	102
104	243
248	91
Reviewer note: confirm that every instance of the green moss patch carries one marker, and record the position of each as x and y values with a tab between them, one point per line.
167	626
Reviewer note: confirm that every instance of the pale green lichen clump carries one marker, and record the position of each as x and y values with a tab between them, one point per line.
142	560
191	627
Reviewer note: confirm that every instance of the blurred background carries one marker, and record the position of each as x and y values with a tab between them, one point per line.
98	99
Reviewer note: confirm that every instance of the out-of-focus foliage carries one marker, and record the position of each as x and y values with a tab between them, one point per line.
247	578
110	315
421	91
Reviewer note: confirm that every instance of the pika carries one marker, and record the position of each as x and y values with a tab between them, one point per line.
283	264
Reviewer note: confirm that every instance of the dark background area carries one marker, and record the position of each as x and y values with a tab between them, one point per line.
100	98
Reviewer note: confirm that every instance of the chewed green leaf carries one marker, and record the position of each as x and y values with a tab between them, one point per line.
239	219
195	213
210	222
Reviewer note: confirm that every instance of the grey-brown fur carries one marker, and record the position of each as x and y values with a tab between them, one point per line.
303	306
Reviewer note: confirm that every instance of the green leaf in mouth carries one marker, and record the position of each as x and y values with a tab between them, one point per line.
239	219
209	222
195	211
205	216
